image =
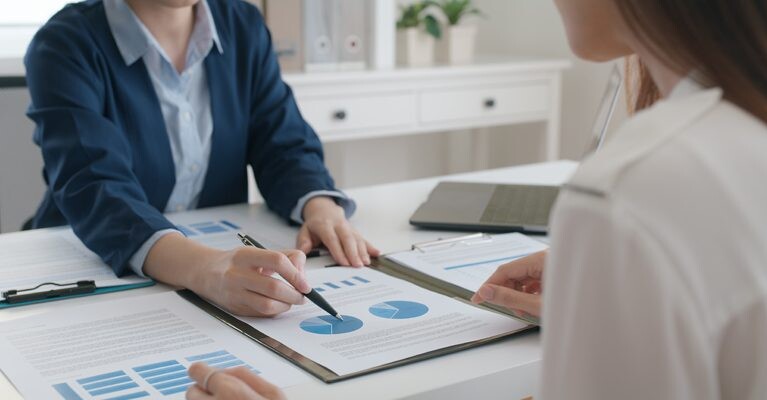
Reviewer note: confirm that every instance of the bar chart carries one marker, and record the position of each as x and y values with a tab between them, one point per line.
162	379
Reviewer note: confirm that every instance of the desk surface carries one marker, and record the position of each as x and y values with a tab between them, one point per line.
508	369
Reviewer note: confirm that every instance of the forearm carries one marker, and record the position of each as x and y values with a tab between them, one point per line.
179	261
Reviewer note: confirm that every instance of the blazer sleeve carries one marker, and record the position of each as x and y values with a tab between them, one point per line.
285	152
87	158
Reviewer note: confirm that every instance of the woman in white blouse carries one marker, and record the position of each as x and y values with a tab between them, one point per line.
655	286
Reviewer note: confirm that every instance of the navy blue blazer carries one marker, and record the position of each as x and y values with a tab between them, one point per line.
108	163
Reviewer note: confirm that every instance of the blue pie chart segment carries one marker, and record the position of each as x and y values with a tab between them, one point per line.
398	309
328	325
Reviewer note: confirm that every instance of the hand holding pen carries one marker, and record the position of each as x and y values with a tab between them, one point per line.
307	291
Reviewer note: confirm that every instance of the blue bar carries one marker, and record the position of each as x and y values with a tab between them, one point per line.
113	389
319	289
109	382
347	283
334	286
199	224
229	224
162	371
155	365
211	229
131	396
66	392
230	364
175	390
169	377
100	377
363	280
171	384
218	360
207	356
485	262
186	231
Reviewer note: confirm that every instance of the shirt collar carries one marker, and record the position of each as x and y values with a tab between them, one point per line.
133	38
687	86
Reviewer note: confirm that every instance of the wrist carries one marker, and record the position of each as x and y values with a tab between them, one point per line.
179	261
319	205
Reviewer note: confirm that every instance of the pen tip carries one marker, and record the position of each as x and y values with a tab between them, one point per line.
340	317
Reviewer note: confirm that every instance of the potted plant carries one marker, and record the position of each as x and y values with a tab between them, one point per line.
417	30
457	43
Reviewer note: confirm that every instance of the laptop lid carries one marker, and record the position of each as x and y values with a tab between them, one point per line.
605	111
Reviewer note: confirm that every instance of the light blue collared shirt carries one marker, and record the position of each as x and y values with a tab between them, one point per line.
185	102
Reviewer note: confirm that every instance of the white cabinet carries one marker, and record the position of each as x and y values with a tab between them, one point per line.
367	104
525	101
336	116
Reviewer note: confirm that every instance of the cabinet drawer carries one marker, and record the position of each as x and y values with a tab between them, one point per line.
444	105
346	113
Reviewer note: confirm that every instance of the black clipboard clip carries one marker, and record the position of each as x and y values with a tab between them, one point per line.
16	296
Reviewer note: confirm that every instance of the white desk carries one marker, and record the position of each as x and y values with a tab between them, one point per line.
504	370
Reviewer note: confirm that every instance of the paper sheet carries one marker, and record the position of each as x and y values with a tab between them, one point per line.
385	320
29	259
468	264
219	228
132	348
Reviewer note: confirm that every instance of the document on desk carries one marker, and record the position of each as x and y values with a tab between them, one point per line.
385	319
32	258
468	263
139	347
218	229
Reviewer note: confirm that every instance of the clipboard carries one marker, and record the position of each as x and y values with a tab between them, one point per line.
61	291
393	268
316	369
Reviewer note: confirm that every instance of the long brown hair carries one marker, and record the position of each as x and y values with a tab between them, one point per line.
724	41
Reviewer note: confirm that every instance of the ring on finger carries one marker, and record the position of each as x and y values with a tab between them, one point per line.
207	379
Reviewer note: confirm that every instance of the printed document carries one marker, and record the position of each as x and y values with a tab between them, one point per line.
468	263
140	347
218	229
384	320
31	258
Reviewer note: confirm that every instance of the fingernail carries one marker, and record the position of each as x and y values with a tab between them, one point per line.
486	292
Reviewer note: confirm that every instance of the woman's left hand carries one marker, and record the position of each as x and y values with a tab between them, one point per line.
325	223
229	384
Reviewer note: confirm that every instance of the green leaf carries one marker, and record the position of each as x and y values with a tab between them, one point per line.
432	26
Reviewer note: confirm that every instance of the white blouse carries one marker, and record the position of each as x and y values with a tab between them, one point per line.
656	283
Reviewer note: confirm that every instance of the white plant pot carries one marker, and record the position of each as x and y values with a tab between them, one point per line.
457	44
415	47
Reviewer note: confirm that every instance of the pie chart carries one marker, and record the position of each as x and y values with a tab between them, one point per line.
398	309
329	325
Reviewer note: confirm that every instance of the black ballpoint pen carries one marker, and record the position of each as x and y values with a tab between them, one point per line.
313	296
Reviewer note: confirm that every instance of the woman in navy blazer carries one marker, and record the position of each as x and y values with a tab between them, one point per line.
110	169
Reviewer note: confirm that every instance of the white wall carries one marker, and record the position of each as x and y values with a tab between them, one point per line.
21	182
532	28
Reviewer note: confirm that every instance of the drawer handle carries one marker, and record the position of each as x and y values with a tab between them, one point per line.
339	115
489	103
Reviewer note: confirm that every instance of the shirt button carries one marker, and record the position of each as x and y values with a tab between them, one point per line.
194	167
187	116
179	208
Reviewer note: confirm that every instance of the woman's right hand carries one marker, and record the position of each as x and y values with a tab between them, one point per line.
516	285
229	384
240	280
